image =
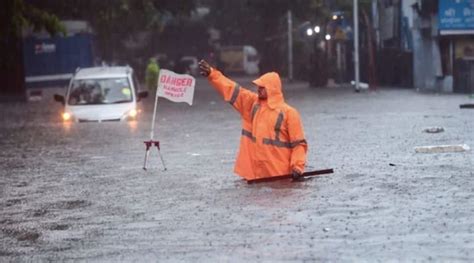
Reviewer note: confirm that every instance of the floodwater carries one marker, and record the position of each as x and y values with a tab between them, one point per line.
78	191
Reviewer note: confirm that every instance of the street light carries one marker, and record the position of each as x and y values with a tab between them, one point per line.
315	35
356	45
317	29
328	37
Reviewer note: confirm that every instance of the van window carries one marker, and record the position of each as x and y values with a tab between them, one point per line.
100	91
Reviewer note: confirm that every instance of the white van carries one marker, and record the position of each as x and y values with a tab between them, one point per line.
101	94
239	59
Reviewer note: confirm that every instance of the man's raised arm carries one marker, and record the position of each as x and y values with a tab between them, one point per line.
241	99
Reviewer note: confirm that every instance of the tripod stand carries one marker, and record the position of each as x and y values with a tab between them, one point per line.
148	145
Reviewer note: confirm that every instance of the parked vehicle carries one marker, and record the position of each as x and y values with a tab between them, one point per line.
100	94
239	59
51	61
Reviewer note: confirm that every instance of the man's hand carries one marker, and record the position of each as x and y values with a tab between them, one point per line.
297	175
204	68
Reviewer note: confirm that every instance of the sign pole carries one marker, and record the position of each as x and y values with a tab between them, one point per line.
154	115
151	142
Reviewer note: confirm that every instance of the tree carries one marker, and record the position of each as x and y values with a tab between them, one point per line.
15	15
126	31
115	21
263	24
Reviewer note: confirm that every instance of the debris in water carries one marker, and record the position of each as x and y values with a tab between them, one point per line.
467	106
434	130
442	148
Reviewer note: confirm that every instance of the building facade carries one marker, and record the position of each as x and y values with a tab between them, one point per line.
433	38
442	33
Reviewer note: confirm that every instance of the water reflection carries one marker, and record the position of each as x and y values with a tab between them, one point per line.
66	126
280	184
132	125
277	194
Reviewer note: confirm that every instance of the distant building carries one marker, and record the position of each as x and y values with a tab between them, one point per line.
435	36
394	44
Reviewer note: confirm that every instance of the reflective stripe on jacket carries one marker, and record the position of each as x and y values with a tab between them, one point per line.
272	141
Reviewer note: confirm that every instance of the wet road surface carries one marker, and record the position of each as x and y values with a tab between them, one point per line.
77	191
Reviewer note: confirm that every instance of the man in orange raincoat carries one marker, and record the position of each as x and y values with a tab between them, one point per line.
272	141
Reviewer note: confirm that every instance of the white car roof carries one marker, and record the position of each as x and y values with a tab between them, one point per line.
103	72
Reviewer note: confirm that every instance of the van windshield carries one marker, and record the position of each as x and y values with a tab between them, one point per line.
100	91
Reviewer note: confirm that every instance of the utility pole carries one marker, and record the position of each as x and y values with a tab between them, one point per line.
290	46
356	45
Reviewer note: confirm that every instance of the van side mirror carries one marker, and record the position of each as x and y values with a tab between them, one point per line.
142	94
59	98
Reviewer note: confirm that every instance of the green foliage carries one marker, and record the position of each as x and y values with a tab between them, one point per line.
151	76
39	20
263	23
253	20
116	20
21	15
15	15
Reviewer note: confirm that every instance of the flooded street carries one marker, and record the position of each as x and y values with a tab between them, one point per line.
77	191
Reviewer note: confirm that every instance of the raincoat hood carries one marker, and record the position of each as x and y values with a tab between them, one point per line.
272	83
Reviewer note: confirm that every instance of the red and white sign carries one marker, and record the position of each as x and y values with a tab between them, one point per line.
176	87
45	48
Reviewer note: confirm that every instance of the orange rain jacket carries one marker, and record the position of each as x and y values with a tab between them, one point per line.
272	141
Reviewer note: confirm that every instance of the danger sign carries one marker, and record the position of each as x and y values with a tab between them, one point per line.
176	87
